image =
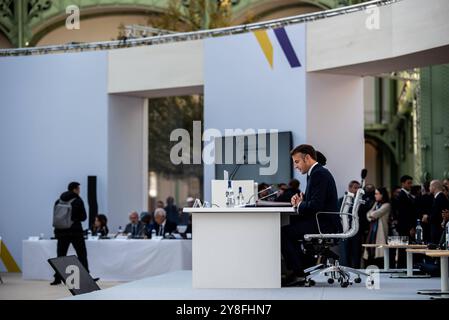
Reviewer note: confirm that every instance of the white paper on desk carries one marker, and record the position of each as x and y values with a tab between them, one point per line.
33	238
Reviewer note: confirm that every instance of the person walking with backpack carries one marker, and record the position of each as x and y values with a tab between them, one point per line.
69	212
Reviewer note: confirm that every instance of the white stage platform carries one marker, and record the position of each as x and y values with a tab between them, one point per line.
178	286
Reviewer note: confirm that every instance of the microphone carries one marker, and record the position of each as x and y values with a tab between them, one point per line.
270	187
249	200
268	195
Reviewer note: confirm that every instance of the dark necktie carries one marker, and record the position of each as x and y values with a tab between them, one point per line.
134	230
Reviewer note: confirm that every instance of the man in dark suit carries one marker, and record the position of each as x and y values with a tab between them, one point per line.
406	214
163	225
405	208
135	227
440	204
321	195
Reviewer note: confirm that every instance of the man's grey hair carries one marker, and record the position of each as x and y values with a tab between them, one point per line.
437	184
160	212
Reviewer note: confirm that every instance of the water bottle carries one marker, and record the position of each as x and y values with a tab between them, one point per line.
89	234
419	232
153	234
120	230
230	201
240	199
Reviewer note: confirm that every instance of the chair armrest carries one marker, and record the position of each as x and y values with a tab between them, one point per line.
324	212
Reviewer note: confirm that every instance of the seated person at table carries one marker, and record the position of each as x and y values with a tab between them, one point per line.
148	225
135	227
100	227
189	225
163	225
286	195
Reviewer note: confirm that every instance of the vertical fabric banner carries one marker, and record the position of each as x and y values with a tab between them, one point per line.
287	47
265	44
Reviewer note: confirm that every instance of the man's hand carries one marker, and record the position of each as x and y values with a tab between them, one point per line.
425	218
297	199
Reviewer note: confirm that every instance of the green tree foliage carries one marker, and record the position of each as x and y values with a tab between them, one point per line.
166	115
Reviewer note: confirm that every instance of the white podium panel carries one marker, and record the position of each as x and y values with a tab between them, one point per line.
236	247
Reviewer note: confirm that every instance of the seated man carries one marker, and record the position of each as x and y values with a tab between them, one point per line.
163	225
135	227
321	195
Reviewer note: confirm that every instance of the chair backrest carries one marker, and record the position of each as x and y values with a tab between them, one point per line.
346	205
350	221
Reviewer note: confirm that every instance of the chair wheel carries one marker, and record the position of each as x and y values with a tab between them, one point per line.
311	282
330	281
344	284
358	280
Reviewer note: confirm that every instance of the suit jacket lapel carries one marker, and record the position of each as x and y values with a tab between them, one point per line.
309	182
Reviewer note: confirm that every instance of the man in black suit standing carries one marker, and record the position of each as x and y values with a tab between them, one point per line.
406	211
440	204
406	215
321	195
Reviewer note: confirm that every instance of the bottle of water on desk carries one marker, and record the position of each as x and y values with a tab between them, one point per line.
153	234
240	199
89	235
419	232
230	200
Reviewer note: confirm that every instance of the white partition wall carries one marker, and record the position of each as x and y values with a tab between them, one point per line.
58	124
157	71
127	158
53	130
335	124
243	90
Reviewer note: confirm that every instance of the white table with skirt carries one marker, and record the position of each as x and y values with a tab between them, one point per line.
112	260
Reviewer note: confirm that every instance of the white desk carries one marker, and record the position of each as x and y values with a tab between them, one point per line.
236	247
112	260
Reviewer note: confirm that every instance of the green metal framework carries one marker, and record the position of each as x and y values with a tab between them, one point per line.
24	22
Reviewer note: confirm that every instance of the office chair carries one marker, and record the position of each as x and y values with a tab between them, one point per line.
320	244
